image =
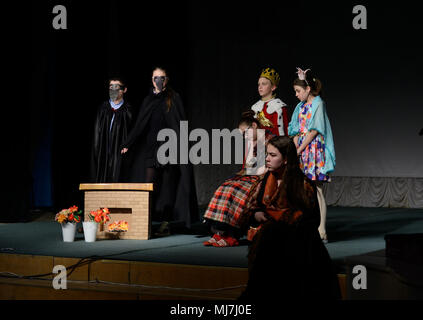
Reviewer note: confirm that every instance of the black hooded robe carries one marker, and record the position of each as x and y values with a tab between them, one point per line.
174	196
105	155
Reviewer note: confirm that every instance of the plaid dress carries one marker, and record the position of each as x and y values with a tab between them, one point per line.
229	200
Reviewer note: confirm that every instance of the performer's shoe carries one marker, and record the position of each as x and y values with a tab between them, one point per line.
216	237
226	242
164	230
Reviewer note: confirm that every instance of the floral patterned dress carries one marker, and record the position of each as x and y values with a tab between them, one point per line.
312	159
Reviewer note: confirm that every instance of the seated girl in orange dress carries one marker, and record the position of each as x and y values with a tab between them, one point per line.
286	252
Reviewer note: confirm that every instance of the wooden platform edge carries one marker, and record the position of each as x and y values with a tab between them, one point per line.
107	279
116	186
124	279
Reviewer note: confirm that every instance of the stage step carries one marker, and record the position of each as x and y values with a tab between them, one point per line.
129	279
117	279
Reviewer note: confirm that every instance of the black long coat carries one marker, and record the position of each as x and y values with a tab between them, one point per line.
105	156
174	187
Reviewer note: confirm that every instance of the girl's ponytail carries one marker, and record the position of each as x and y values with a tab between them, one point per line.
316	87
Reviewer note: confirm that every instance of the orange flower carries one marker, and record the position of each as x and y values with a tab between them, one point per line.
61	218
118	226
68	215
123	225
101	215
112	226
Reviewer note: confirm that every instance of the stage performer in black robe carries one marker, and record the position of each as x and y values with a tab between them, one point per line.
174	196
112	124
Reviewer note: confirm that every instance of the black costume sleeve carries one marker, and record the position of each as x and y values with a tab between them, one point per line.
96	144
139	125
186	207
176	114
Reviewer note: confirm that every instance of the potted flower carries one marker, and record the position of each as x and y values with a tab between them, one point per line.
68	218
96	217
118	226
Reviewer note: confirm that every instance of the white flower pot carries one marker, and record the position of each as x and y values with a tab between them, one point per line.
90	230
68	231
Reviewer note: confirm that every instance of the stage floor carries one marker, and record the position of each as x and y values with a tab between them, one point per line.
351	231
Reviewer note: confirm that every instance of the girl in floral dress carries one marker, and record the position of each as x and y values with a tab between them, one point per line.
312	133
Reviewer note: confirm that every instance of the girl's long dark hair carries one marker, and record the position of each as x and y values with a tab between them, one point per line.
293	177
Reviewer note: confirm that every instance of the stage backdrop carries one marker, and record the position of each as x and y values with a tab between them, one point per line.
371	84
215	52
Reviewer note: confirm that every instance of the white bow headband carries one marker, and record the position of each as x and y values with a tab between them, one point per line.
302	74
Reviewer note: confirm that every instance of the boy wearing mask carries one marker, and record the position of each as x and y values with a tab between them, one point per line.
112	124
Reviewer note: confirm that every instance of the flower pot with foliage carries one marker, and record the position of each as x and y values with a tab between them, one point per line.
68	218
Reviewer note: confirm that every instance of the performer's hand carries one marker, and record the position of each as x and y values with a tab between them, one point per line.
298	152
124	150
296	141
260	217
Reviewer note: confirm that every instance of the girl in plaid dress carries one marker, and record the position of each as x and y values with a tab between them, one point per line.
225	208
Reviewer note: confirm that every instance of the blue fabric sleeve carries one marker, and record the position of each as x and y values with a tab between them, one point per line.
320	123
294	126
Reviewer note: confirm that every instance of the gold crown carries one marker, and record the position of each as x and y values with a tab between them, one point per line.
271	74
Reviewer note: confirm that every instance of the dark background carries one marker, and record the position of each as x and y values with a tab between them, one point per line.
214	52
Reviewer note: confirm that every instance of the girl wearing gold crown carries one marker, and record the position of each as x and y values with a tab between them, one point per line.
269	110
312	133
